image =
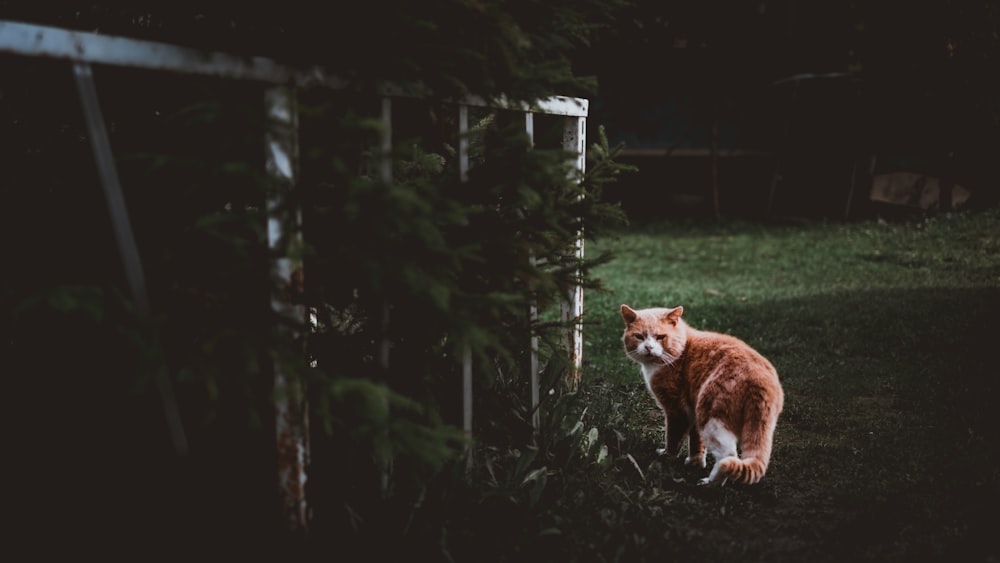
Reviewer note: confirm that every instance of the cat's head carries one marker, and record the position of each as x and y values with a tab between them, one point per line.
653	336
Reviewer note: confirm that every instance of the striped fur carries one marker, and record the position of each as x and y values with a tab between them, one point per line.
717	393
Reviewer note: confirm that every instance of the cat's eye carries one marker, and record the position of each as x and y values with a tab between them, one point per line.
661	336
638	335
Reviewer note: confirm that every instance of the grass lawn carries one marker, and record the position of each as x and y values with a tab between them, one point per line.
883	335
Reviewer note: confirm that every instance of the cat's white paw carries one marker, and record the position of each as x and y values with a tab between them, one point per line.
705	481
697	460
661	451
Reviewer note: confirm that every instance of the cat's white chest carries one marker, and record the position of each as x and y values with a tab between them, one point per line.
651	361
648	370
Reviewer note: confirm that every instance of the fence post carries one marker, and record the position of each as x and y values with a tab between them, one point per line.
463	173
385	343
291	408
529	129
122	227
574	141
385	175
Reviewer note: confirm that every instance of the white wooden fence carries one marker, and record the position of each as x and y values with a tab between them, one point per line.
82	50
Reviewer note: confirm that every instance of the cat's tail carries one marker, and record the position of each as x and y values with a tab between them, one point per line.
748	470
757	440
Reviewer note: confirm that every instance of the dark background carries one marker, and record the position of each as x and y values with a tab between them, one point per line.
912	84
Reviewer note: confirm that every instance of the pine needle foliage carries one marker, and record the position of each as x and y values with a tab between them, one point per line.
423	265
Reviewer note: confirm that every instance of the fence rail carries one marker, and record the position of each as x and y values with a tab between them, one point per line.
84	49
92	48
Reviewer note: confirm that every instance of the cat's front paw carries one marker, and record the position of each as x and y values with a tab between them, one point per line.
661	451
695	460
708	481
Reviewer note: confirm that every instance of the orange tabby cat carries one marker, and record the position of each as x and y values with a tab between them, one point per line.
714	389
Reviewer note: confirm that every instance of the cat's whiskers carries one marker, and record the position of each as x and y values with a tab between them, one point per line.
635	354
668	358
642	357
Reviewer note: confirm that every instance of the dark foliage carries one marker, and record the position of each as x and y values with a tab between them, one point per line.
425	262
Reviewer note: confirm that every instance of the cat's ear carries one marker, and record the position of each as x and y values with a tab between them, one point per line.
674	315
628	314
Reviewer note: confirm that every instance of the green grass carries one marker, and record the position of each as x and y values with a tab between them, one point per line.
883	335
